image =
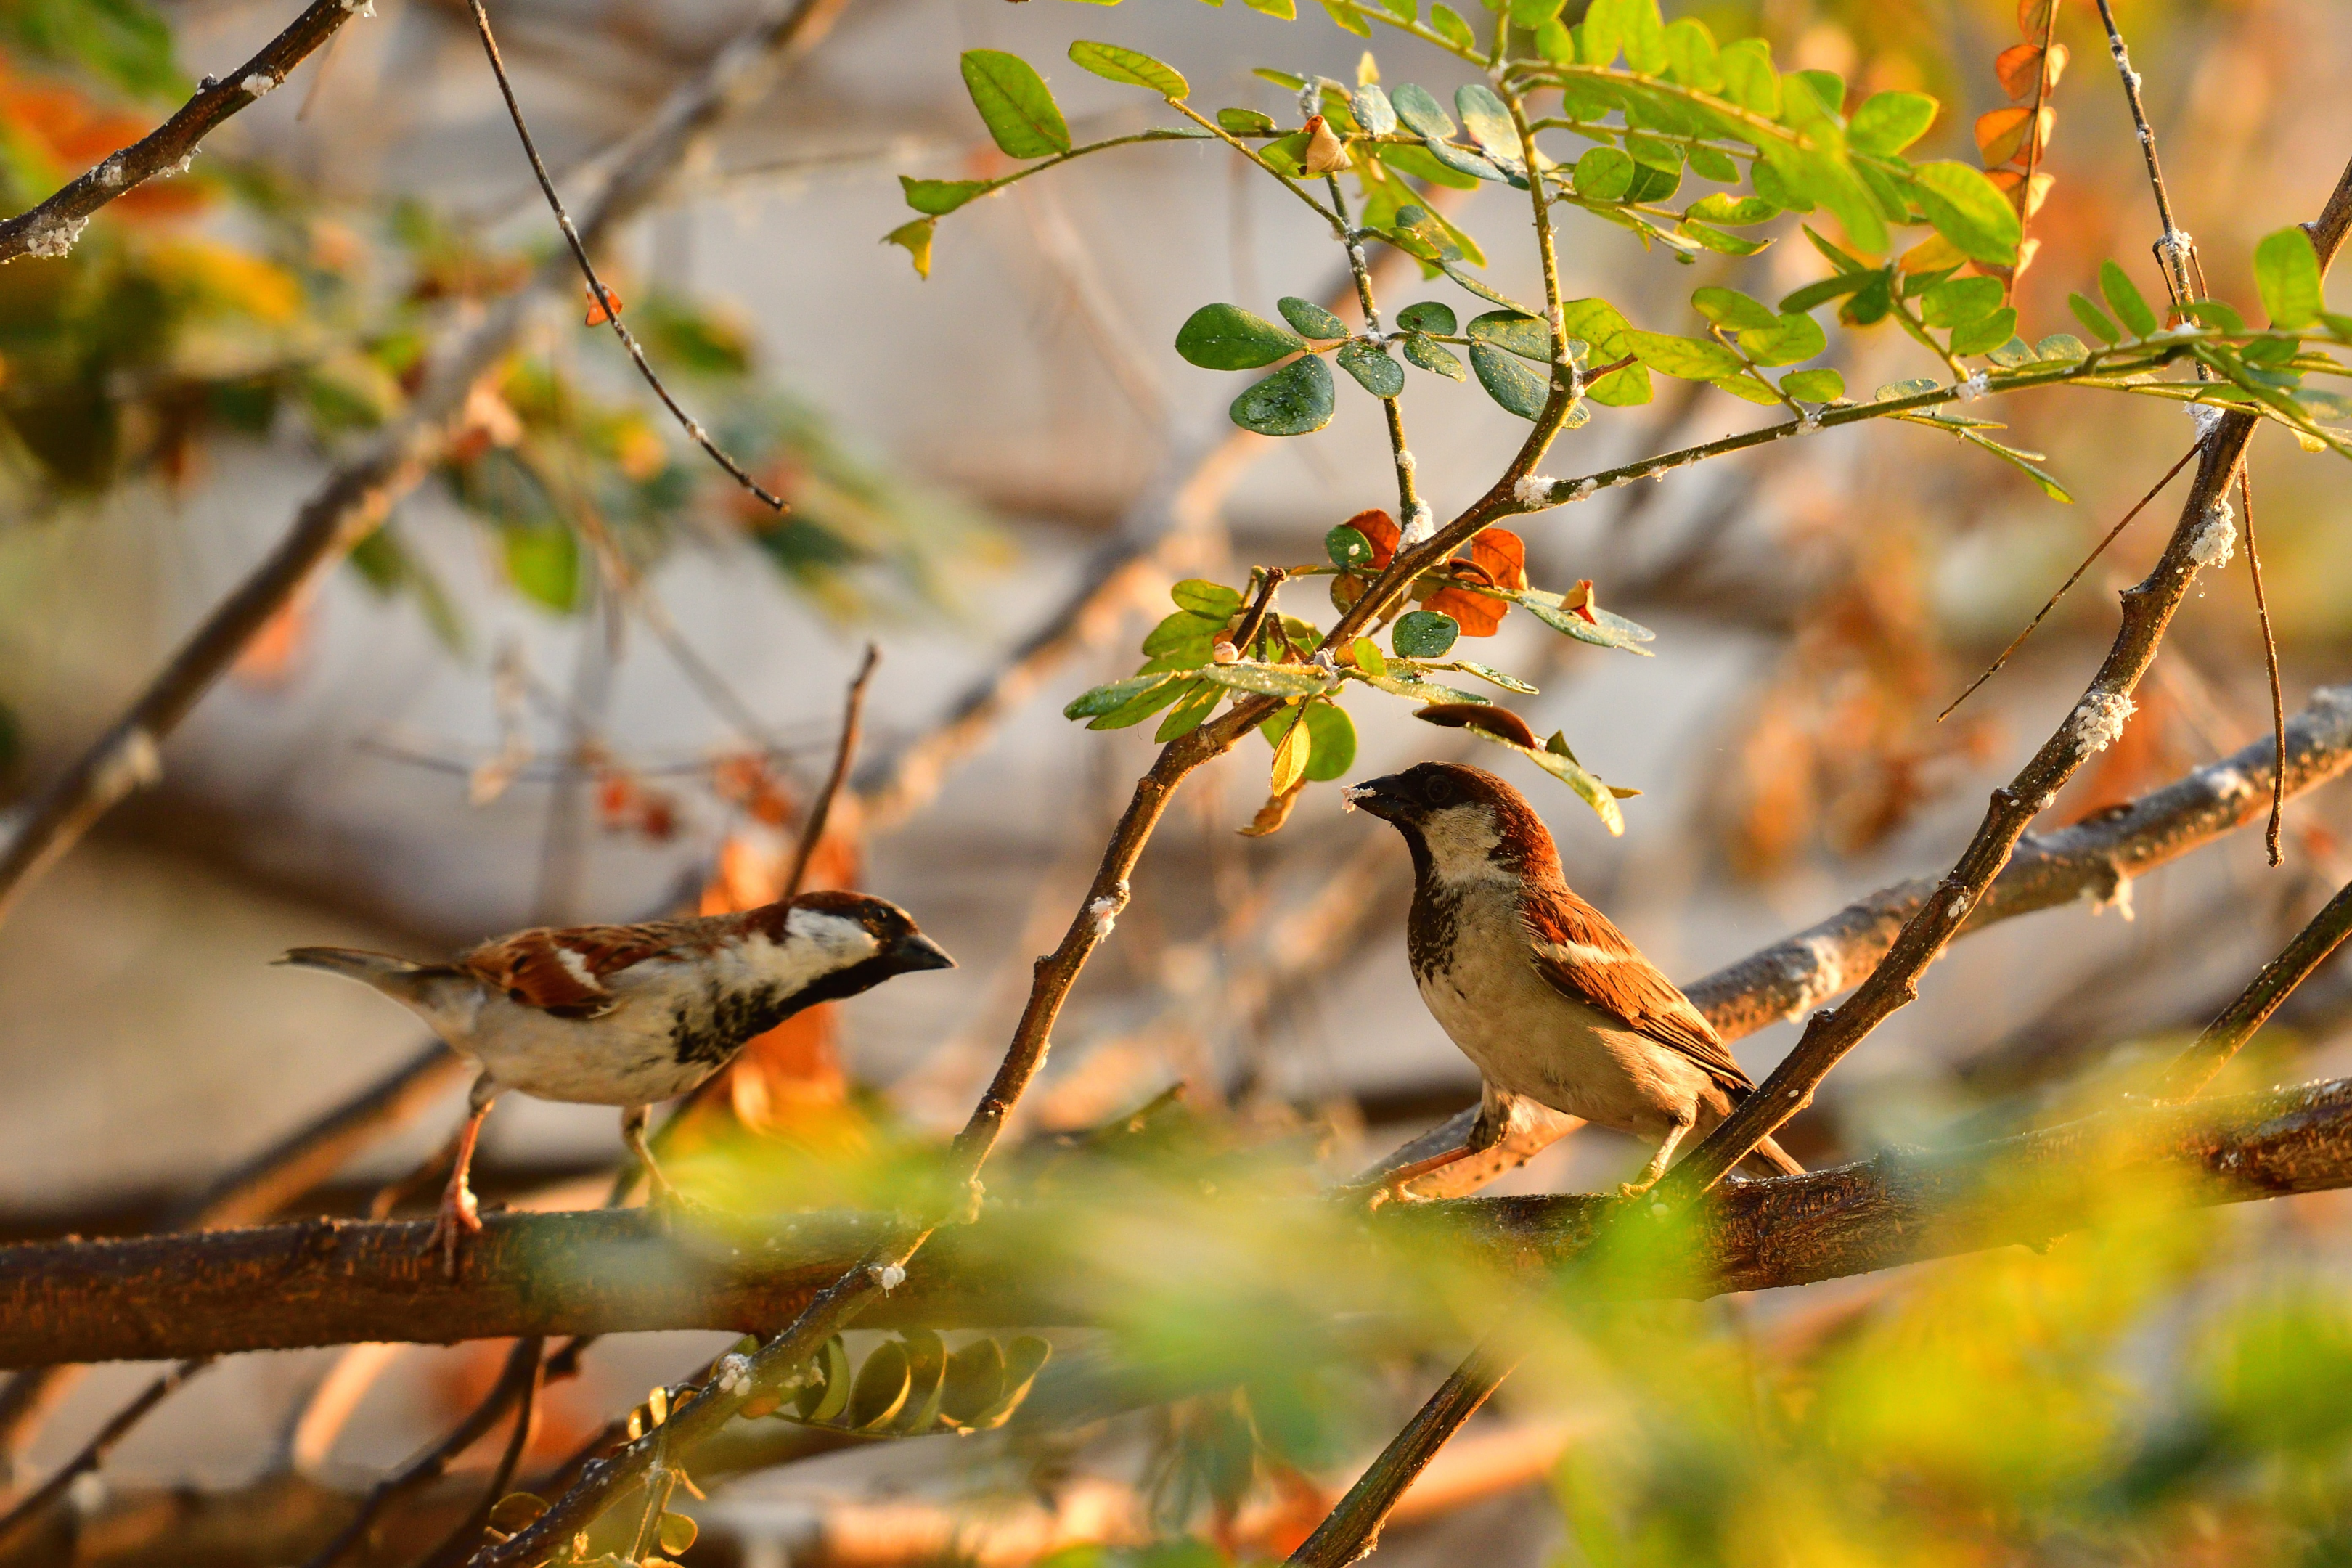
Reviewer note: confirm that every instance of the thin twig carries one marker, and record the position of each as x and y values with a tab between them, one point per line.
2197	1066
520	1373
2051	603
1354	1527
93	1453
813	831
2271	665
453	1551
606	299
50	228
2139	122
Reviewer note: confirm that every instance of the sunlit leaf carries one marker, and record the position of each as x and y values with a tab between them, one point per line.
1371	365
1509	382
1423	633
1226	337
1888	122
1967	210
1115	62
2286	270
2125	299
1294	401
1015	104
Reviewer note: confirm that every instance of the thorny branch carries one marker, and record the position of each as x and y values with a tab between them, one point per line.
356	496
52	228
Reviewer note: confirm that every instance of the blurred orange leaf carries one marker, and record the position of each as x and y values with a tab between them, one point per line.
2016	63
2001	134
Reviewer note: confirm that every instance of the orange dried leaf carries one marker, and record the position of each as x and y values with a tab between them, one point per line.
2034	16
1500	722
1479	615
2002	135
597	316
2015	67
1382	531
2010	181
1503	555
1274	812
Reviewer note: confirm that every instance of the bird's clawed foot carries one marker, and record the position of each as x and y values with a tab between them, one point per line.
459	1217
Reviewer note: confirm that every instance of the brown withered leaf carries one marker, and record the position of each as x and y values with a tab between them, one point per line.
2001	134
1382	531
1497	721
1503	555
1479	615
2015	67
1274	812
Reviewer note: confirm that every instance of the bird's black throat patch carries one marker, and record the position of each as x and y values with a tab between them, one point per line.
715	1027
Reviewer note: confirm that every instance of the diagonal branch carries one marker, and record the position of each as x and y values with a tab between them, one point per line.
52	228
356	496
2196	1066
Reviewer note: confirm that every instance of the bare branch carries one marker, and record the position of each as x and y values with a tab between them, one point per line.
813	830
50	228
2196	1067
50	1493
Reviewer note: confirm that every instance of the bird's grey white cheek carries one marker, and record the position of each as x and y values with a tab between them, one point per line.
838	943
1462	840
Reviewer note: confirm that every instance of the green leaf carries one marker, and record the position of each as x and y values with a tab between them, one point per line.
1371	365
1423	633
1348	549
1144	703
1558	761
1211	601
1288	10
1245	121
1688	358
544	564
1508	383
2023	461
1331	735
1369	658
1603	175
1433	357
1969	210
1190	711
1183	635
1422	113
1294	401
1748	79
1828	288
940	197
1731	308
1813	385
1269	679
1603	328
2286	270
1373	111
1226	337
1533	14
1116	62
1508	682
1453	28
1464	161
1015	104
1748	386
2063	348
1523	335
1604	630
1886	123
1429	316
2125	299
1979	337
916	239
1790	338
1691	55
1310	318
1957	301
1736	211
1487	120
1108	699
1717	239
1279	77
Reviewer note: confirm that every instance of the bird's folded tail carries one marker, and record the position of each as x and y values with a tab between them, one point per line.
399	978
1769	1159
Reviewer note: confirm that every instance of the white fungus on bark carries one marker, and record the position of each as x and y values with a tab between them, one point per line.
1969	391
2217	535
1533	490
1104	912
54	239
258	84
1420	523
889	1277
2099	719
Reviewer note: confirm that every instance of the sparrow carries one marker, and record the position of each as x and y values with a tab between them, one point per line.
628	1014
1535	985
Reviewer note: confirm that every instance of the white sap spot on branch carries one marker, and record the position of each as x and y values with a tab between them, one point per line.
1534	489
2227	785
1581	489
733	1374
131	763
1811	423
2217	535
889	1277
1404	459
54	239
258	84
1969	391
1104	912
1420	524
2207	417
2116	896
2099	719
110	173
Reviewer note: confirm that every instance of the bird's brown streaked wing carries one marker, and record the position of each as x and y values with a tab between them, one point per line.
563	971
1588	959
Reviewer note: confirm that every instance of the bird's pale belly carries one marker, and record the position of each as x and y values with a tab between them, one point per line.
1529	1039
628	1056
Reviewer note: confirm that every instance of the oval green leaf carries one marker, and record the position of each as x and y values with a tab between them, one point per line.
1526	336
1969	210
1509	382
1429	316
1691	359
1115	62
1226	337
1295	400
1371	365
1423	633
1886	123
1331	737
2286	270
1015	104
1421	112
1310	318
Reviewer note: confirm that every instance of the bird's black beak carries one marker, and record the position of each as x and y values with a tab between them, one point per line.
915	951
1379	797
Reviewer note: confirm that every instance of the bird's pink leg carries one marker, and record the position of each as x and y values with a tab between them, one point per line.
1392	1184
459	1214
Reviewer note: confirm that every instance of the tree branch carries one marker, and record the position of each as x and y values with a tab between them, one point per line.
2196	1067
50	228
316	1283
355	498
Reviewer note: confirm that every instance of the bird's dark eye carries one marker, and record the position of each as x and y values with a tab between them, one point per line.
1438	791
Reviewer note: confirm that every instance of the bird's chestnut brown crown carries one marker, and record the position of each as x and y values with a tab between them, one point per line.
1449	813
